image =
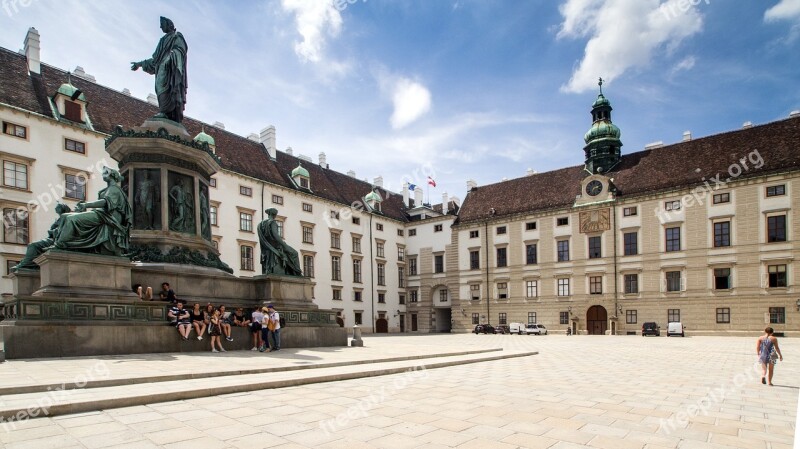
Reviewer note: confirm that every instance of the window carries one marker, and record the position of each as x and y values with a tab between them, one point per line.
303	182
595	244
532	289
277	199
308	207
212	182
531	317
475	291
357	270
401	277
722	234
336	268
15	226
337	294
357	315
776	228
673	279
530	226
280	227
381	274
15	175
334	215
476	317
245	222
412	266
630	211
382	298
563	221
72	111
246	191
438	263
502	290
356	244
631	282
631	243
401	254
596	285
247	257
75	187
672	205
212	214
723	315
400	233
563	287
722	278
10	264
401	299
502	318
501	258
414	296
308	234
356	221
379	226
776	190
15	130
563	317
721	198
777	315
308	266
74	146
673	237
474	260
437	228
443	295
379	249
631	316
336	241
474	234
530	254
501	230
412	232
673	315
563	250
777	276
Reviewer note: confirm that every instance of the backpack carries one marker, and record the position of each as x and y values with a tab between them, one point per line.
282	321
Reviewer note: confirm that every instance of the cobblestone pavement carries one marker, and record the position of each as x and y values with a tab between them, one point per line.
581	391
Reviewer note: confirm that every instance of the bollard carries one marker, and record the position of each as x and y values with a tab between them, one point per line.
357	341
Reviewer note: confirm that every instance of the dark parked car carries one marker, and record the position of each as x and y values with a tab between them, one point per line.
502	329
651	328
484	329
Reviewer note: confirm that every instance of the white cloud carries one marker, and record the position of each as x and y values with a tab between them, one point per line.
625	34
785	10
314	19
686	63
411	101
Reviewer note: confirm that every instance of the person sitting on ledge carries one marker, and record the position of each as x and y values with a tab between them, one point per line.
167	294
144	294
182	320
225	323
239	318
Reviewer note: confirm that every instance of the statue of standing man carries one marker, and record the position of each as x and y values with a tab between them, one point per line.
168	64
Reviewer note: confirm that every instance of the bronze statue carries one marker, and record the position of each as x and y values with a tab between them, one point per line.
168	64
181	202
146	201
105	229
36	249
205	217
277	257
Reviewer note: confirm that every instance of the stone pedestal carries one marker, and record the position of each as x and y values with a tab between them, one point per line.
92	277
285	292
25	282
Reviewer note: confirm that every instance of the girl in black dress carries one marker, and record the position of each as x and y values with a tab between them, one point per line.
215	330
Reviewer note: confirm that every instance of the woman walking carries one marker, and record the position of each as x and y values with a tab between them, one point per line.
768	354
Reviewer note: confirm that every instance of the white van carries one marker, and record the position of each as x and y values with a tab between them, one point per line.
675	328
516	328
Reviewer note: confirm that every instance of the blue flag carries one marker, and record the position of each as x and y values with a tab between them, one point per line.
412	187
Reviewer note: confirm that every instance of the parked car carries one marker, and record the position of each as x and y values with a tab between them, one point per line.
502	329
517	328
542	329
651	328
536	329
484	329
675	328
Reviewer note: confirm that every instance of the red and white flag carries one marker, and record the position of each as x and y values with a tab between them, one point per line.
431	181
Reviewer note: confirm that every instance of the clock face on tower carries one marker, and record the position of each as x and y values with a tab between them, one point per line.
594	188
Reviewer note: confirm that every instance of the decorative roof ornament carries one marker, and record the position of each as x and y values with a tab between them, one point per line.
300	171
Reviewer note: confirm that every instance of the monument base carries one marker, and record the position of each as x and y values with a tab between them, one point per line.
92	277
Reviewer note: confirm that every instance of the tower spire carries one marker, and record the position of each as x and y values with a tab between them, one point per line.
600	83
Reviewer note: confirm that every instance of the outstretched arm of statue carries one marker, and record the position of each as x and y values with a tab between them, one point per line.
135	66
80	207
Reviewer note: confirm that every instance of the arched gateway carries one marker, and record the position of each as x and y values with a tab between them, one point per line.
596	320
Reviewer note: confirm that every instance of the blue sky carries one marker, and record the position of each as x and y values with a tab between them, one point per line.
460	89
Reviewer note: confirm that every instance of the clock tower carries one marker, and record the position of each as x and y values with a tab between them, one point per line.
603	142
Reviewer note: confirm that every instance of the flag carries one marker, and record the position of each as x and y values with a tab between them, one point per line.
412	187
431	181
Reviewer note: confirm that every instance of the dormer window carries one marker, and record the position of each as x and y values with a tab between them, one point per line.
72	111
373	200
70	102
304	183
301	177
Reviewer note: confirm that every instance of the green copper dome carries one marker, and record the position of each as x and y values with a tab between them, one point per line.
203	137
69	90
300	171
601	101
601	130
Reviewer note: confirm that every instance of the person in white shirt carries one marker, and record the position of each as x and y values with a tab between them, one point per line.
273	324
255	328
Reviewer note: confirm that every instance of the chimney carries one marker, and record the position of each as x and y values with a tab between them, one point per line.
378	181
126	91
418	196
289	151
219	125
405	193
152	99
303	157
254	137
323	160
687	136
444	203
654	145
471	184
80	73
267	138
33	51
530	172
795	113
351	173
747	125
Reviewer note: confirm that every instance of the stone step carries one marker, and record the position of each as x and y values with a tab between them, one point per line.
19	407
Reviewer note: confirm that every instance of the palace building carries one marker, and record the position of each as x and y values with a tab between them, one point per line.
703	231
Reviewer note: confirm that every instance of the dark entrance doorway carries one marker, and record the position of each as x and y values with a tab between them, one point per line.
382	326
596	320
413	322
402	323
